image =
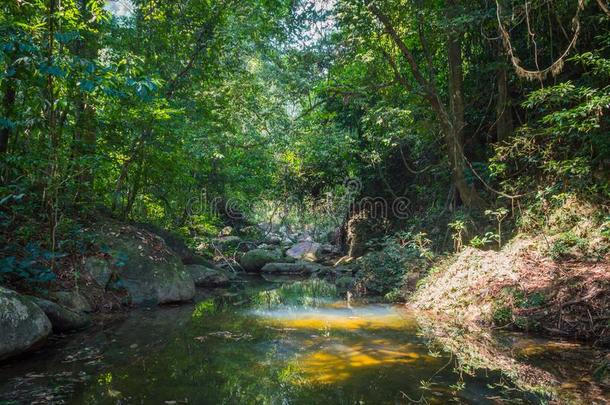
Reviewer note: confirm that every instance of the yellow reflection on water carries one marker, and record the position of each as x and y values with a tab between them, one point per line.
531	348
338	362
366	340
381	317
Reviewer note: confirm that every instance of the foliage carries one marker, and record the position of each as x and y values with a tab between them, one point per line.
33	267
178	113
385	271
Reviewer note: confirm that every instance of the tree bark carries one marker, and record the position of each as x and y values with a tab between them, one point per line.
85	129
8	102
454	135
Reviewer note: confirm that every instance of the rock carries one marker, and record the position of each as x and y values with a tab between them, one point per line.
304	251
305	237
250	231
273	239
62	319
292	268
196	259
23	325
145	267
99	269
72	300
205	277
326	248
254	260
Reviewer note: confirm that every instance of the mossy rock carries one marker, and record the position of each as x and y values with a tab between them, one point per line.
72	300
345	283
206	277
23	325
256	259
62	319
301	267
144	266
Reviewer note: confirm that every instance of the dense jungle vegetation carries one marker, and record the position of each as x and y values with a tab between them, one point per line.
471	120
353	201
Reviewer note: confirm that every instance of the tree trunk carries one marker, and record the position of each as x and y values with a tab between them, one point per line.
454	129
85	128
50	88
8	102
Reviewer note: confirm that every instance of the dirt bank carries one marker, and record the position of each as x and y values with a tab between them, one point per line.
522	287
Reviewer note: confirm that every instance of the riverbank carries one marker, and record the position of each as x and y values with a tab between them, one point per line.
516	288
523	287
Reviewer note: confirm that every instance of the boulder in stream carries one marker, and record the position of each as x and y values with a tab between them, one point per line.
23	325
144	266
206	277
62	319
254	260
72	300
306	250
301	268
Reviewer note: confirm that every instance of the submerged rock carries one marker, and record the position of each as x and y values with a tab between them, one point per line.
206	277
306	250
62	319
23	325
254	260
292	268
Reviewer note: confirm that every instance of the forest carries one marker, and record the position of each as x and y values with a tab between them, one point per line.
310	201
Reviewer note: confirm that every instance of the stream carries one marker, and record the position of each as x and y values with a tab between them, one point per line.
280	343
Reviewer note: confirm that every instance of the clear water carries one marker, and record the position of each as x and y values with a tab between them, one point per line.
256	345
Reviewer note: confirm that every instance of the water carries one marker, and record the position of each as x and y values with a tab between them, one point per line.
300	344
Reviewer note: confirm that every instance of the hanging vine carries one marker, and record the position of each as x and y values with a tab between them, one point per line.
554	68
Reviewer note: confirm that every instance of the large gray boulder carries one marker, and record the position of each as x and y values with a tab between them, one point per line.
301	268
62	319
206	277
254	260
23	325
144	266
306	250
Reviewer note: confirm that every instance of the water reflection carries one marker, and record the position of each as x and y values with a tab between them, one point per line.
269	344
